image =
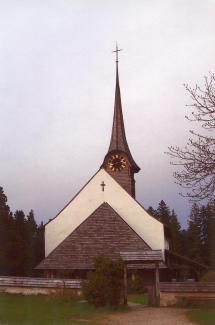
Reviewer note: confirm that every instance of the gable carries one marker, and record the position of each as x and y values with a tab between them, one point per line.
104	232
89	199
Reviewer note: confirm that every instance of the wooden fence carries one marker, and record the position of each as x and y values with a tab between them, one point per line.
28	285
172	293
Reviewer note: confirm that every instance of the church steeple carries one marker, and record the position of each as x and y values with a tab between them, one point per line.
118	159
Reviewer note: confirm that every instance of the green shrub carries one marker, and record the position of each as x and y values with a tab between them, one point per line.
208	277
136	285
104	285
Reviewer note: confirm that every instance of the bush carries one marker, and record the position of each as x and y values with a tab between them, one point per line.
208	277
136	285
105	284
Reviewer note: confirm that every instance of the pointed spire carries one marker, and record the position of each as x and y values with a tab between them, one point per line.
118	137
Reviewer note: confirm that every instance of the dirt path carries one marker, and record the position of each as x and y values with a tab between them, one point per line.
149	316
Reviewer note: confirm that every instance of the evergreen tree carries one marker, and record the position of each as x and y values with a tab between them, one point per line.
20	243
204	216
175	230
31	238
184	242
194	234
152	212
163	213
40	244
5	233
170	221
209	252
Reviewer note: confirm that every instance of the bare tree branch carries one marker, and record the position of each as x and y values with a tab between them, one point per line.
196	161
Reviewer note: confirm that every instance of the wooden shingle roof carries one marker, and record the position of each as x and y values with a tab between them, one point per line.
118	138
146	256
104	232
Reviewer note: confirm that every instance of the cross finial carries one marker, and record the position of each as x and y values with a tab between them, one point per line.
116	51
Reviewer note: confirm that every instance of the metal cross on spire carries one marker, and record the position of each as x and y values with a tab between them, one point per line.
116	51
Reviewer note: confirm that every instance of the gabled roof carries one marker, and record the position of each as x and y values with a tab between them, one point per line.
146	256
104	232
89	199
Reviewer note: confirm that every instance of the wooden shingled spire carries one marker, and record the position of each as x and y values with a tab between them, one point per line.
118	138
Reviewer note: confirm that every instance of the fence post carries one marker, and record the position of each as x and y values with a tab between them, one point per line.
125	298
157	285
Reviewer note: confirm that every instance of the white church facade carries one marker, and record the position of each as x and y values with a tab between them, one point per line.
104	218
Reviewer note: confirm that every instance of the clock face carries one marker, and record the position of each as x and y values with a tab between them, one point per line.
116	162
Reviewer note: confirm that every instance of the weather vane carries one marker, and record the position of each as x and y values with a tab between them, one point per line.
116	51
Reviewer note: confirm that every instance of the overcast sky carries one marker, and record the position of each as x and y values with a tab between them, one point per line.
57	80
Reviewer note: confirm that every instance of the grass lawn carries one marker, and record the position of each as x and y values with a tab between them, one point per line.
138	298
203	316
47	310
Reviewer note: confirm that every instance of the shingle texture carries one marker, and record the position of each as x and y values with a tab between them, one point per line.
118	138
104	232
144	256
124	178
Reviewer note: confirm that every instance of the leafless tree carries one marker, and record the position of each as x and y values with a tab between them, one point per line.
196	161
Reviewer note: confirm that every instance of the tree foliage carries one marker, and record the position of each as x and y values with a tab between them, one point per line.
197	241
6	233
21	241
208	277
194	234
170	221
104	285
200	234
196	161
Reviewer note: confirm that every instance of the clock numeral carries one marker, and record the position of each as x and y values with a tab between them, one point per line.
117	162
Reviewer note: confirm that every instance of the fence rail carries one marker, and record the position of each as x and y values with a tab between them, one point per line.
187	287
40	282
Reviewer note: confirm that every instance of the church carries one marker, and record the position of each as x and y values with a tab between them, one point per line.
104	217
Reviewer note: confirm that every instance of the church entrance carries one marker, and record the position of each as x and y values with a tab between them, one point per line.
138	282
141	260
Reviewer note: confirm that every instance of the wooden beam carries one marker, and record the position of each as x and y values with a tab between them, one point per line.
125	298
157	285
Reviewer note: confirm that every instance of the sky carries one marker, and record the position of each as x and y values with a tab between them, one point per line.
57	82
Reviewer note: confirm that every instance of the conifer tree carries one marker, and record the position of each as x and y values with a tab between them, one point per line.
184	242
31	238
170	220
175	229
204	215
163	213
152	212
40	244
210	234
194	234
5	234
20	243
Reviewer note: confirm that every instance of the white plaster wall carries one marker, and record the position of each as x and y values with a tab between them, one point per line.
89	199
